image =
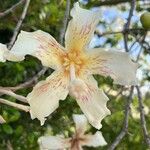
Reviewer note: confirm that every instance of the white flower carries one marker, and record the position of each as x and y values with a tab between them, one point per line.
76	142
2	120
74	66
3	52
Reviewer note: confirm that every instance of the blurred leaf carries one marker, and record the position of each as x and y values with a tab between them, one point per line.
7	129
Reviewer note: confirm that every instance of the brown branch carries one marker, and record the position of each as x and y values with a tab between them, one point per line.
9	145
142	116
110	2
127	25
19	24
65	22
131	30
13	104
28	83
11	9
125	124
141	43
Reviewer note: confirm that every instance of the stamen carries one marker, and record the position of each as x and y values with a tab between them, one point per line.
72	72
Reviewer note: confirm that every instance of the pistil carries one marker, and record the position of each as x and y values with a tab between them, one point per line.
72	72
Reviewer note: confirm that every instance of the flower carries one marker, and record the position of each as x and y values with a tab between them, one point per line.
3	52
74	67
76	142
2	120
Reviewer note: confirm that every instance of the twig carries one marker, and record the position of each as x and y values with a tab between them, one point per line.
2	120
110	2
142	116
10	93
141	43
127	25
13	104
28	83
125	124
133	44
11	9
121	31
9	145
130	14
65	21
19	24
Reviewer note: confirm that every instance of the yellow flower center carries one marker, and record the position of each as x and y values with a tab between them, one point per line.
77	59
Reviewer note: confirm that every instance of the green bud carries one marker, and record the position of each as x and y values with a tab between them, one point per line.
145	20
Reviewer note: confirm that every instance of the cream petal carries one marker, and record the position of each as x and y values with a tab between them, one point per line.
80	122
44	98
91	100
93	140
53	143
117	65
39	44
3	52
80	28
2	120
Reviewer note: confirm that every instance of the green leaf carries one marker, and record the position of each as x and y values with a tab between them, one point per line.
7	129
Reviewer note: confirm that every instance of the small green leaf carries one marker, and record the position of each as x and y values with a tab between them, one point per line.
7	129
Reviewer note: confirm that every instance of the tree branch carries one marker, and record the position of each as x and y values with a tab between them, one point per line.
13	104
65	22
142	116
11	9
125	31
142	46
125	124
110	2
28	83
16	31
127	25
9	145
10	93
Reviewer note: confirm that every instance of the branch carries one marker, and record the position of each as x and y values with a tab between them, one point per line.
65	21
142	116
11	9
142	42
28	83
131	30
127	25
13	104
110	2
9	145
10	93
125	124
142	46
16	31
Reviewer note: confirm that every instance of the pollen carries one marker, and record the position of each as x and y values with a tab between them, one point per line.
76	58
